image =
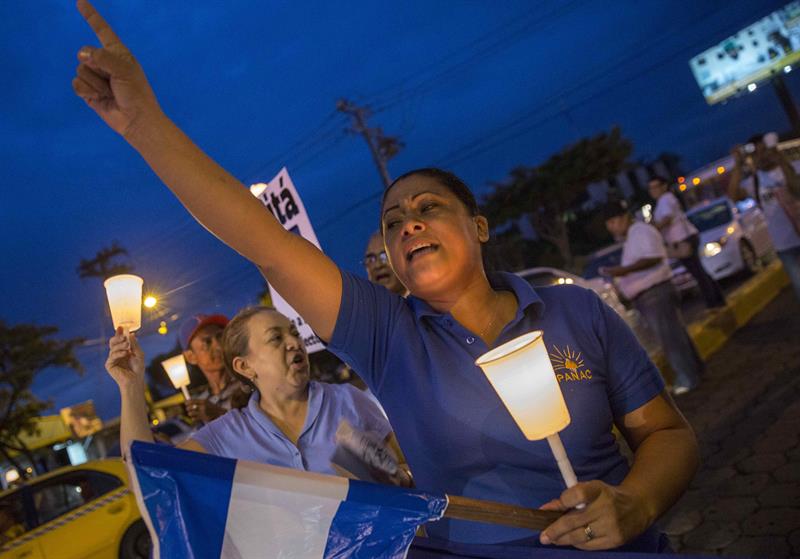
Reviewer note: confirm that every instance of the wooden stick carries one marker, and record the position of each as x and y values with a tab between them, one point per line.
490	512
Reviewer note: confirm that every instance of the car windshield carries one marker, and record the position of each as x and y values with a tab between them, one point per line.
711	216
609	259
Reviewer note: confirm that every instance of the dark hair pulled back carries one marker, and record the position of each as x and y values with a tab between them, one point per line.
447	179
236	340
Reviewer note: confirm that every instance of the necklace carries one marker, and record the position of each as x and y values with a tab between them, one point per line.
494	317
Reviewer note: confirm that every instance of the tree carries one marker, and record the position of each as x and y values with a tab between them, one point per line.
548	193
104	265
25	350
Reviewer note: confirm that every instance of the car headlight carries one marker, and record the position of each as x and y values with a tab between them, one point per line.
712	249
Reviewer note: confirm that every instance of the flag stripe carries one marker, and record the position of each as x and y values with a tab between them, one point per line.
198	486
289	510
380	520
413	502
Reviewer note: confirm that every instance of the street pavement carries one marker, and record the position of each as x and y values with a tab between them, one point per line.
745	498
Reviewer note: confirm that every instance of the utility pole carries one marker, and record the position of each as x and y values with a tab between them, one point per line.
787	102
382	147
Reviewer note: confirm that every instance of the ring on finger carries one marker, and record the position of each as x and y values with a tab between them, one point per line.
589	532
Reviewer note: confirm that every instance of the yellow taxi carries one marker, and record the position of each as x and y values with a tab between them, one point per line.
77	512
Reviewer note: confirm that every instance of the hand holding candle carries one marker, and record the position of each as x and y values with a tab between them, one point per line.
125	362
178	373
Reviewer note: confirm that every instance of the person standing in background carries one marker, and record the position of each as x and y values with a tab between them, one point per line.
774	186
682	236
377	266
200	339
645	278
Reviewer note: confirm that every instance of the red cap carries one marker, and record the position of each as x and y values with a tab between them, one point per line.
191	325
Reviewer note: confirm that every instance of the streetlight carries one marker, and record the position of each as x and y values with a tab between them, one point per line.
150	301
258	188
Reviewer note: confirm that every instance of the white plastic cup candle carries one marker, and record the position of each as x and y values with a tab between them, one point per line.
522	375
124	294
178	373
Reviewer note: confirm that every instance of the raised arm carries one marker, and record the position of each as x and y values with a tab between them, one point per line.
735	190
125	364
792	180
111	82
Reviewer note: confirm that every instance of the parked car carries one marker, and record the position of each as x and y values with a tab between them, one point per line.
612	256
77	512
545	277
733	236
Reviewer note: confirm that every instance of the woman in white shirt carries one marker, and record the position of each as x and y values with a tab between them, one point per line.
775	187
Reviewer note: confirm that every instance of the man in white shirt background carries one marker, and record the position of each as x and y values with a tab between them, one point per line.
644	277
774	185
677	230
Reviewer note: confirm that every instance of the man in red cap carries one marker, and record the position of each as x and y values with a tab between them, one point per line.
200	339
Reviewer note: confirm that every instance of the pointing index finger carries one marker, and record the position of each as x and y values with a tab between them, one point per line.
100	27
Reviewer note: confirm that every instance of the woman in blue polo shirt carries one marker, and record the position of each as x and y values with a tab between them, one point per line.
288	421
417	354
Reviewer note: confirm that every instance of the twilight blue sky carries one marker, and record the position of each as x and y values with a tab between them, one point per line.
477	87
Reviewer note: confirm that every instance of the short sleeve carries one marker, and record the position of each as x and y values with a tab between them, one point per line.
672	204
648	243
368	314
666	206
633	379
208	437
370	417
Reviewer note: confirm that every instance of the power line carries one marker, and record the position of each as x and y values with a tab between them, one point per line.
499	37
306	141
502	132
476	146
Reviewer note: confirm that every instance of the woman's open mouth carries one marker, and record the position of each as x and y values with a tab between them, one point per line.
298	360
421	249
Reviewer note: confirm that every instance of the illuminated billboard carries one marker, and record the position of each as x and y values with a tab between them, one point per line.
768	46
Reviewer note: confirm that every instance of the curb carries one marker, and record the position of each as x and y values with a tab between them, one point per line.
710	333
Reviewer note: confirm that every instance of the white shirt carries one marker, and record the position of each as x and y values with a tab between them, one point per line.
643	241
680	227
781	230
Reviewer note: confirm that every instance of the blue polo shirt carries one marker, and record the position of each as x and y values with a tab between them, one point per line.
455	431
249	434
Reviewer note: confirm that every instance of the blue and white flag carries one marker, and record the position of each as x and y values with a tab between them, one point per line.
202	506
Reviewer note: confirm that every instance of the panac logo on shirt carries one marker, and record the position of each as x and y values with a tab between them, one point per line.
568	365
